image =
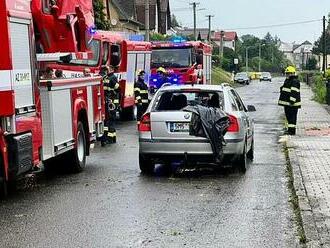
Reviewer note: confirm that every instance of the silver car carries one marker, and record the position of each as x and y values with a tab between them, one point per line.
266	76
242	78
164	128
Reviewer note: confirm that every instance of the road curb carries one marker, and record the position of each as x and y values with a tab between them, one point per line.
308	221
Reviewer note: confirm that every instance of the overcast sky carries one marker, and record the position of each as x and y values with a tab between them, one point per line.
234	14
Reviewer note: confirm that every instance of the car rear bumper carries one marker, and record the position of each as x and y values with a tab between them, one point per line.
152	147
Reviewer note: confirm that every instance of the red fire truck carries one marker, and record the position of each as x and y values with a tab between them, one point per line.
185	62
41	119
112	49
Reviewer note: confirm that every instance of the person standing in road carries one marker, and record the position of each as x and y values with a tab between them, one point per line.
290	98
162	76
141	92
111	97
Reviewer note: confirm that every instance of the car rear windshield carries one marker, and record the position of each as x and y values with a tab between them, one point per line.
177	100
242	74
265	74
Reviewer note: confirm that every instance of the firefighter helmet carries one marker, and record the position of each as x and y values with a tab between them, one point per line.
141	72
290	70
161	69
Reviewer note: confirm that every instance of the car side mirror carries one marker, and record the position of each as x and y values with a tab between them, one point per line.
251	108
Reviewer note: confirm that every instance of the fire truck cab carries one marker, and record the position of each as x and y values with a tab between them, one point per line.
186	62
128	57
40	117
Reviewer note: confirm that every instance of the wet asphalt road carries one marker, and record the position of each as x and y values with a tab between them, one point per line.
111	205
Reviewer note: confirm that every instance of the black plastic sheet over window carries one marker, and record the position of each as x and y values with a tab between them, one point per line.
211	123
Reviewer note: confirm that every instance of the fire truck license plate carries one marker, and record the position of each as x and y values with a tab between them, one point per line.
179	127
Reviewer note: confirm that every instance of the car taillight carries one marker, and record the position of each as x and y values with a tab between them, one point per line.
233	124
145	125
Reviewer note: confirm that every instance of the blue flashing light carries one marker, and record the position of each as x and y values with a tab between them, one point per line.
178	39
175	80
92	30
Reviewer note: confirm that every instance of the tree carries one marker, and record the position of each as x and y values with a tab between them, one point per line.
311	63
100	20
174	22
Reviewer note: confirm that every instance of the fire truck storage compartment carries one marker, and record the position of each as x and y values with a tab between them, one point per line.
20	154
21	58
56	121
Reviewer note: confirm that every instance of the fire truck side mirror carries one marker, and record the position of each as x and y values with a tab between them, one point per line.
115	57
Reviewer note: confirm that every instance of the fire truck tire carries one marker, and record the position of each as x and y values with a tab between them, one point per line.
3	183
127	114
79	153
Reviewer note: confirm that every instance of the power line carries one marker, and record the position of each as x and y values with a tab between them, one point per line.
275	25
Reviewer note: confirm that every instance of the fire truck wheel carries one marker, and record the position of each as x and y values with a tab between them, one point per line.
127	114
79	153
3	183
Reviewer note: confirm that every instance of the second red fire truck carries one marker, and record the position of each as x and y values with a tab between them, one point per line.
185	62
128	57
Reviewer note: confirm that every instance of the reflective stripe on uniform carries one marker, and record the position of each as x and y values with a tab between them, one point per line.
112	134
116	101
293	99
297	104
106	129
295	89
137	89
116	86
105	88
286	89
145	101
283	103
291	126
143	91
138	98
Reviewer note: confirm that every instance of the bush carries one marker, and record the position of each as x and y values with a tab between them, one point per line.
319	88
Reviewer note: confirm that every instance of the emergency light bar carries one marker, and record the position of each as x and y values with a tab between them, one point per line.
63	57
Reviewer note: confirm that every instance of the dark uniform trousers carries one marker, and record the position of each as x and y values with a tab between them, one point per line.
111	94
291	100
141	98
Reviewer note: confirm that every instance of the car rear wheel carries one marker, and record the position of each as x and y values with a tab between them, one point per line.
250	154
242	161
146	165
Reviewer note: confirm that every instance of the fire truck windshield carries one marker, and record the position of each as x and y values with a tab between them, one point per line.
94	46
171	57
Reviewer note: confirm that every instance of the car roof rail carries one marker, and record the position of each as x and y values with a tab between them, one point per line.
225	85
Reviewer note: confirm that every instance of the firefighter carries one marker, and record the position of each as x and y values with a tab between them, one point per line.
111	96
290	98
162	76
141	95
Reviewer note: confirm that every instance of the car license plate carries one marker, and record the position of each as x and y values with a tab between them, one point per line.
179	126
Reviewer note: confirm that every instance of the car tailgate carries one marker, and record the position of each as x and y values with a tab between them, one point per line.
172	125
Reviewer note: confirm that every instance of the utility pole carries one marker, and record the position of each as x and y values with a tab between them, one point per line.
324	46
222	34
147	18
210	26
247	59
194	4
260	56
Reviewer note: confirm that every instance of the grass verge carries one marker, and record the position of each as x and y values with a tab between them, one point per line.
220	76
294	200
